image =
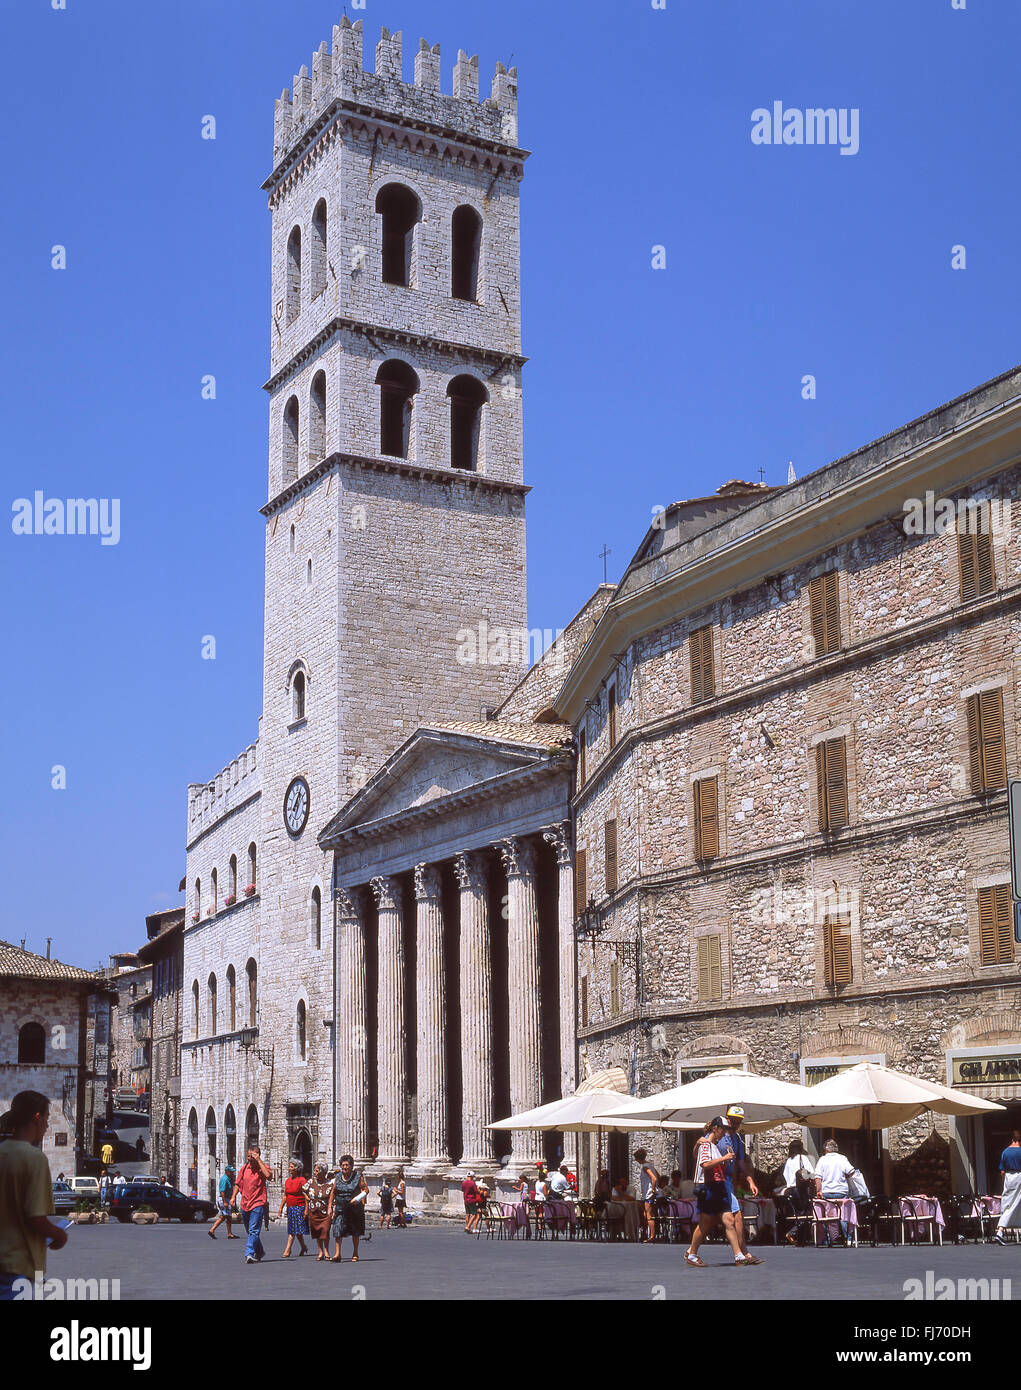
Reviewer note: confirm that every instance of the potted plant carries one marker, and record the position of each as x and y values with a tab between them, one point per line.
144	1216
196	917
250	891
230	900
86	1211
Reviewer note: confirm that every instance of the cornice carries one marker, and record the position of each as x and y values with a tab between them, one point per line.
402	337
506	158
472	482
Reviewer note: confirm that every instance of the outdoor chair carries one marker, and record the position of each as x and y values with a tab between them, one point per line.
876	1211
989	1208
788	1219
826	1213
964	1217
914	1221
496	1220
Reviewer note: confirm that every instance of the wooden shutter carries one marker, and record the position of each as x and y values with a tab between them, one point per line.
823	596
710	969
703	670
837	951
610	844
831	783
707	819
975	553
581	758
987	750
995	929
611	713
580	883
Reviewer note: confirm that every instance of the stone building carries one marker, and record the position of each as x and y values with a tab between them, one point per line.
46	1045
163	953
795	723
131	980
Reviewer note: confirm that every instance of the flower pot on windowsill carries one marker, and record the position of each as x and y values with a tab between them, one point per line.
229	902
250	891
196	916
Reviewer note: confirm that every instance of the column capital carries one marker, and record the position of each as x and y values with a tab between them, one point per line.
350	901
518	857
387	892
559	836
428	884
471	871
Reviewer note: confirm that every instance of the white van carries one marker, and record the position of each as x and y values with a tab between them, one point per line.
85	1187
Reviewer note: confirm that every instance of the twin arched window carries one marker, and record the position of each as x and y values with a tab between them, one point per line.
316	268
401	211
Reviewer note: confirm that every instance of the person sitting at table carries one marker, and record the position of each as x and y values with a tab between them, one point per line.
673	1187
604	1187
559	1185
831	1175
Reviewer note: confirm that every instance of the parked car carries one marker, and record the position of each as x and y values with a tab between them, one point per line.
125	1099
127	1197
147	1177
64	1197
83	1186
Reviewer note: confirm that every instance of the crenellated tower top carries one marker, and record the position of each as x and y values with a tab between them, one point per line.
341	75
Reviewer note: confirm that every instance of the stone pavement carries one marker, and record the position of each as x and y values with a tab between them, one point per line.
171	1261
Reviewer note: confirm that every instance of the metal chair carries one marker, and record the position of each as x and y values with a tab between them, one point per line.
874	1211
911	1216
826	1212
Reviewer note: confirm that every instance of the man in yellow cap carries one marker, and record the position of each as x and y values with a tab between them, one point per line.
731	1142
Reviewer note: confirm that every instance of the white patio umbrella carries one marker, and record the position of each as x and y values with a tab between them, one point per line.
766	1103
571	1114
877	1097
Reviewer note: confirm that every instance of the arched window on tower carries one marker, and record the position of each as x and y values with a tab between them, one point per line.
400	211
298	697
32	1044
230	1130
289	443
465	248
232	879
467	397
252	971
398	386
232	997
195	1004
211	995
197	900
293	307
300	1029
317	918
317	251
317	419
250	890
251	1127
212	886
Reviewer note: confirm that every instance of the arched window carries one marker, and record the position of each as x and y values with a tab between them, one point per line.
195	1004
292	541
232	878
317	918
232	997
211	1141
299	1025
211	989
252	971
317	251
230	1131
467	396
32	1044
212	885
317	419
293	275
466	244
251	1127
290	440
400	211
193	1149
308	575
197	901
297	696
251	871
398	386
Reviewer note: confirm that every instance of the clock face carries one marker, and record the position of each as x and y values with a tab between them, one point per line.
296	803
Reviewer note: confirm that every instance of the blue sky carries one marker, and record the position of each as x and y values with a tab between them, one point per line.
644	386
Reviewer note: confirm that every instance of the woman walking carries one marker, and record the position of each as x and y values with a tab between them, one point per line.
317	1209
1010	1202
713	1198
294	1199
347	1207
386	1202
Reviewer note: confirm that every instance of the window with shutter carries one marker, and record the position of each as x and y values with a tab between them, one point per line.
987	749
831	783
703	670
995	928
823	595
581	758
975	553
611	714
837	951
707	819
580	883
710	969
610	843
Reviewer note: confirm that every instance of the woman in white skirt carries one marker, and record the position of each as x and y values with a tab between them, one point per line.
1010	1202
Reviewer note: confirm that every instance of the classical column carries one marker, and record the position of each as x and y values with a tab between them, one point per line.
523	978
432	1071
391	1080
351	1040
476	1011
559	836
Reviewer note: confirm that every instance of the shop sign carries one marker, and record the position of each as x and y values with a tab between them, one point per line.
980	1071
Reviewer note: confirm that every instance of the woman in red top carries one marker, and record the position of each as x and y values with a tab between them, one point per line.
294	1199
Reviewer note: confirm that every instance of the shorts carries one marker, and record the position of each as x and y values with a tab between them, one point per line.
222	1207
735	1205
470	1207
713	1199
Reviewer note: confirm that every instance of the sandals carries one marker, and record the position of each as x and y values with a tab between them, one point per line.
693	1260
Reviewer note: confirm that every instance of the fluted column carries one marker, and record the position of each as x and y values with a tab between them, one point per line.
351	1046
476	1011
391	1079
431	994
523	978
559	836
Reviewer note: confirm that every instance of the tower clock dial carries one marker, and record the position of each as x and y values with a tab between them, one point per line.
296	805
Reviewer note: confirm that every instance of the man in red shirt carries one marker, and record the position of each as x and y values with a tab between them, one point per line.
472	1204
251	1189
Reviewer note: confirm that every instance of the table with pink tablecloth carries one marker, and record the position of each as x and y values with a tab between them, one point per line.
559	1215
921	1214
627	1214
684	1210
829	1214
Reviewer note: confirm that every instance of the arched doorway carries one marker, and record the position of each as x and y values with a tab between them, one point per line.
211	1154
192	1156
303	1151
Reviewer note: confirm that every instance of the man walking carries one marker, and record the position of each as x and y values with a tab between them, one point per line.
26	1198
731	1142
251	1189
